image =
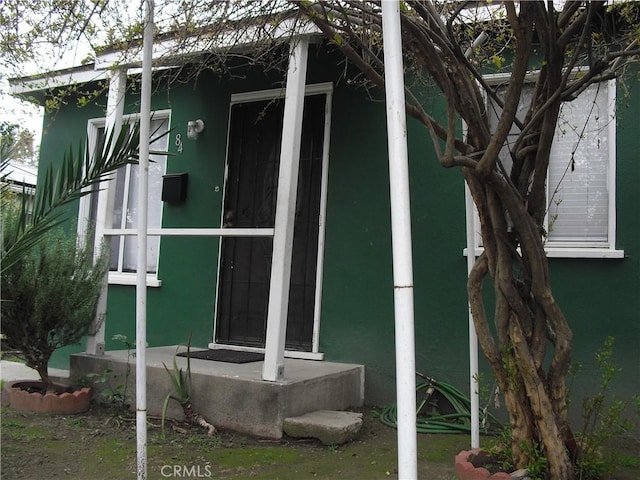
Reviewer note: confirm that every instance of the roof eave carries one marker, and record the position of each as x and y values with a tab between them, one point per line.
167	52
33	84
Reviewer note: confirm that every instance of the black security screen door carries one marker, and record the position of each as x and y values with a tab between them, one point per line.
250	201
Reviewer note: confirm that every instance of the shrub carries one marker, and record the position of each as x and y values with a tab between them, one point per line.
49	297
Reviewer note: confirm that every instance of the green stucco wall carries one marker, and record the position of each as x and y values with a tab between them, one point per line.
600	297
357	308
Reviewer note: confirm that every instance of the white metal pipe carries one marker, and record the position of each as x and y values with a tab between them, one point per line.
141	278
611	179
474	387
273	366
401	236
476	43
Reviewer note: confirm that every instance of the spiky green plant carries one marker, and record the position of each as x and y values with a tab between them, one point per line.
181	382
78	171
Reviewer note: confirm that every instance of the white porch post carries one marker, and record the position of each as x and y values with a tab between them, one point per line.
115	110
401	240
273	368
473	338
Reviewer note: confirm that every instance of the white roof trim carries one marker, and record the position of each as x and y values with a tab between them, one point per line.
165	52
172	50
61	78
18	172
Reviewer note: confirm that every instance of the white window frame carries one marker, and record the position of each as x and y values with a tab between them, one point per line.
566	249
107	195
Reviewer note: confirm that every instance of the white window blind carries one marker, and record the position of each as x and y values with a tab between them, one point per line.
578	195
577	187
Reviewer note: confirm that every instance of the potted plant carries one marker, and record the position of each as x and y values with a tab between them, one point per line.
50	283
49	301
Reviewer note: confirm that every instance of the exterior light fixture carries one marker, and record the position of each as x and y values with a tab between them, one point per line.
194	127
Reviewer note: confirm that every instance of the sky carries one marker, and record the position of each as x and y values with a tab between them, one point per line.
23	113
53	57
26	114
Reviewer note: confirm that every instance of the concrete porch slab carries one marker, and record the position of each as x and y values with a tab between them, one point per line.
234	396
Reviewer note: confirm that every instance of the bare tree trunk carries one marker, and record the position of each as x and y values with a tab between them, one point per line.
43	371
535	399
527	339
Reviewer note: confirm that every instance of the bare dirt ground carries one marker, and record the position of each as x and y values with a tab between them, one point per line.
102	445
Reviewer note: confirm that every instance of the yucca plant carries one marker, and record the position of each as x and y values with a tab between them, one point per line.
181	382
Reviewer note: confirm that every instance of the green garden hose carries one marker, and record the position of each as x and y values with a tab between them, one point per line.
441	408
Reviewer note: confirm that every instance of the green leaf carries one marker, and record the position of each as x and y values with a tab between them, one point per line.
76	174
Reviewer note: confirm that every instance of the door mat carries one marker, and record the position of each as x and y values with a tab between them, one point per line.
227	356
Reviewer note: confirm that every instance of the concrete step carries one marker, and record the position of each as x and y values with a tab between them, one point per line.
234	396
329	426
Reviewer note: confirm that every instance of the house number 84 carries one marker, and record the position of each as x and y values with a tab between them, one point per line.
179	142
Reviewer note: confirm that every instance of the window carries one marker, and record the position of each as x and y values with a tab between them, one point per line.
578	193
116	206
580	218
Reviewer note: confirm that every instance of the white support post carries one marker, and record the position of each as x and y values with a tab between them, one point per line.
115	111
401	239
474	389
273	368
141	267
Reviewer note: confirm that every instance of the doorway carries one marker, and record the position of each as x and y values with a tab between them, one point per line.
249	202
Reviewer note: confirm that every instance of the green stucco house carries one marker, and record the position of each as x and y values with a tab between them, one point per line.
223	132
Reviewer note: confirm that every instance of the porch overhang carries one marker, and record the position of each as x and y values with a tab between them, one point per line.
169	51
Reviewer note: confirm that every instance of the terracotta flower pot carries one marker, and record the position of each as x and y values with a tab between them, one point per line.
470	465
27	395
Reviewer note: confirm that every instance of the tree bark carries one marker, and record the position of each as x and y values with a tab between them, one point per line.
527	326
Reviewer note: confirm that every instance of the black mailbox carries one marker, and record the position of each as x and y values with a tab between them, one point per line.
174	187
